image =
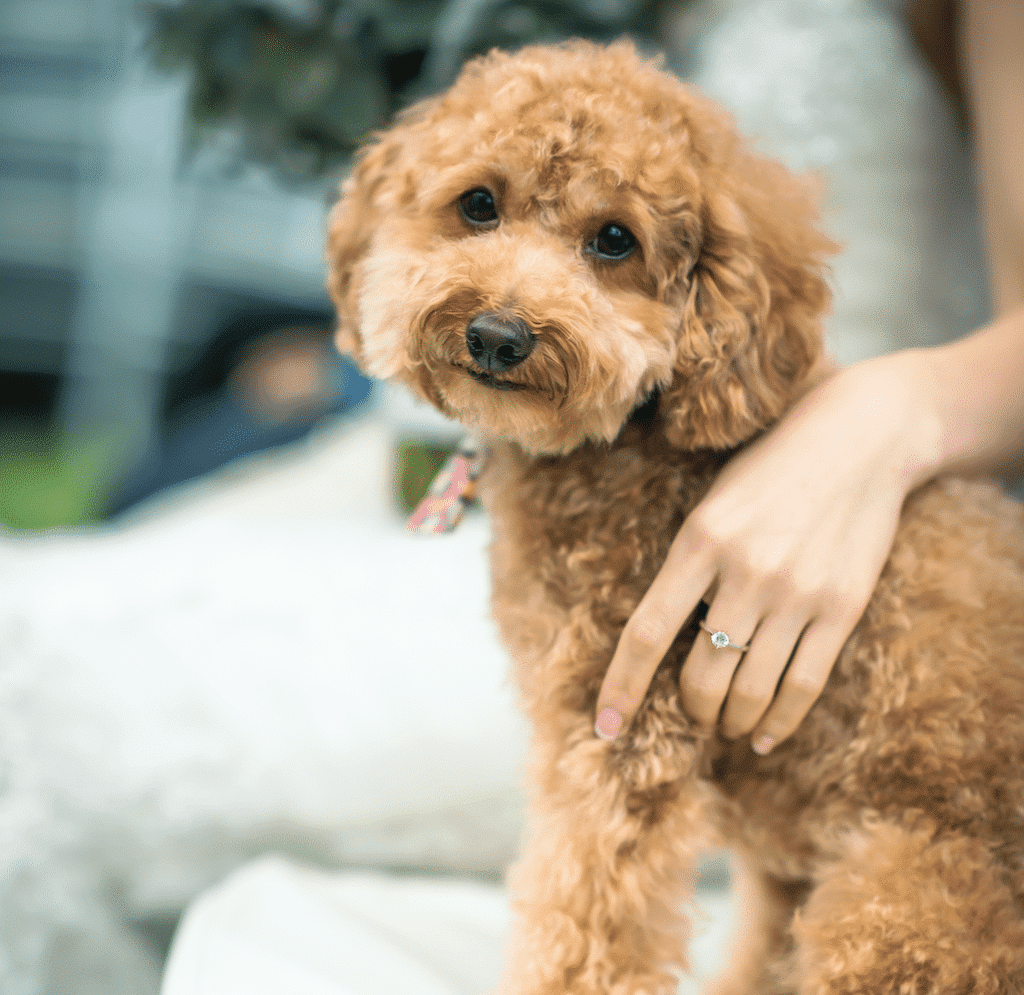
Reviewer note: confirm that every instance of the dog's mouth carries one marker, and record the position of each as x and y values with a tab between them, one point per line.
489	380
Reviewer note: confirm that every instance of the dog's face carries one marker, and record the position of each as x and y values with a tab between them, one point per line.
563	233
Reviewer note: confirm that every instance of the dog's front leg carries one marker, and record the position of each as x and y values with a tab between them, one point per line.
600	890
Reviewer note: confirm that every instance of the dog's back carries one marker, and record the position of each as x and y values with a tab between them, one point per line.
902	786
923	715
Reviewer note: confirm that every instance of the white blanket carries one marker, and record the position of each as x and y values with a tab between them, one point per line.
275	928
269	663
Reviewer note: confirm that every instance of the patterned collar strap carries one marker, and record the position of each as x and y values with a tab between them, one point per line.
451	492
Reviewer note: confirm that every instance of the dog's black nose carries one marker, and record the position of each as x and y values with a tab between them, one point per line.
498	343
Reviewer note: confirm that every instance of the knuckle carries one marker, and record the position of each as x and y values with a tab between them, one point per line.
705	529
699	522
846	603
701	711
697	694
733	727
648	632
804	684
837	595
766	571
702	696
799	587
748	694
765	565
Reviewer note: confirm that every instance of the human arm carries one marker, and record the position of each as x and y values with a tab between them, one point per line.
790	541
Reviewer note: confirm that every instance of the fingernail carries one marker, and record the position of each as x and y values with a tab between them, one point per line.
608	724
763	745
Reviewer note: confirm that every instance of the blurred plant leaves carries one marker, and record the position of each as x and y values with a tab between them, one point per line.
300	93
297	86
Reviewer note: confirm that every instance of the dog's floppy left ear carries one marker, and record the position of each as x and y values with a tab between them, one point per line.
371	188
750	329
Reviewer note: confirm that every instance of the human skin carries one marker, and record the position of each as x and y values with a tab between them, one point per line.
793	585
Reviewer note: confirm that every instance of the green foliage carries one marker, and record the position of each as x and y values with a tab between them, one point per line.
417	463
44	484
298	84
298	93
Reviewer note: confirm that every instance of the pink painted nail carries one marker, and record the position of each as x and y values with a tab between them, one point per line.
763	745
608	724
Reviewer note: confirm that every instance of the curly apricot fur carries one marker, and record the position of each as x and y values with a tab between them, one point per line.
882	845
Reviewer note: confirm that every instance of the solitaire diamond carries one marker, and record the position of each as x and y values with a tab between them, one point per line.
719	639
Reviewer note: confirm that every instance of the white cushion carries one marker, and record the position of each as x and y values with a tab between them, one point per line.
275	927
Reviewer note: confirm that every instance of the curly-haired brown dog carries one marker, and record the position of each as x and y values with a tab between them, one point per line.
573	253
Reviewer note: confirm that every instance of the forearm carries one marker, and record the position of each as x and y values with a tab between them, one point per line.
915	414
974	388
974	391
992	49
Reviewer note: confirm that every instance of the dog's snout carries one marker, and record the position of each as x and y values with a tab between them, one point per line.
497	342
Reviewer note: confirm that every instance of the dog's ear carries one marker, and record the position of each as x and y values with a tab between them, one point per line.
373	186
752	304
353	220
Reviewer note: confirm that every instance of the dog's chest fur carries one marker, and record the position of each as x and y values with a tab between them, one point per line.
583	534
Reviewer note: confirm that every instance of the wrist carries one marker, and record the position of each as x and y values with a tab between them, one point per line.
975	389
926	449
899	393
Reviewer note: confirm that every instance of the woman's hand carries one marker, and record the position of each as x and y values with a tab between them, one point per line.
786	548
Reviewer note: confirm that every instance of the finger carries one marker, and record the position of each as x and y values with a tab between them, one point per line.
648	634
757	676
708	671
801	684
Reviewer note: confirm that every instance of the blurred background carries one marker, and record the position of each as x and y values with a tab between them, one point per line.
165	170
164	174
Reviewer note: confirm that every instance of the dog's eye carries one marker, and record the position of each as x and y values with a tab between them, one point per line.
613	242
477	207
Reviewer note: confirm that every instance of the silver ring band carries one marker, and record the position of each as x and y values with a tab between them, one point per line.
721	641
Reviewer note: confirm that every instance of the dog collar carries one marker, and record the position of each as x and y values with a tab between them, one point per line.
451	492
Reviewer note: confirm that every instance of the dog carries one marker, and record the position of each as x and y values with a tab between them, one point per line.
574	254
